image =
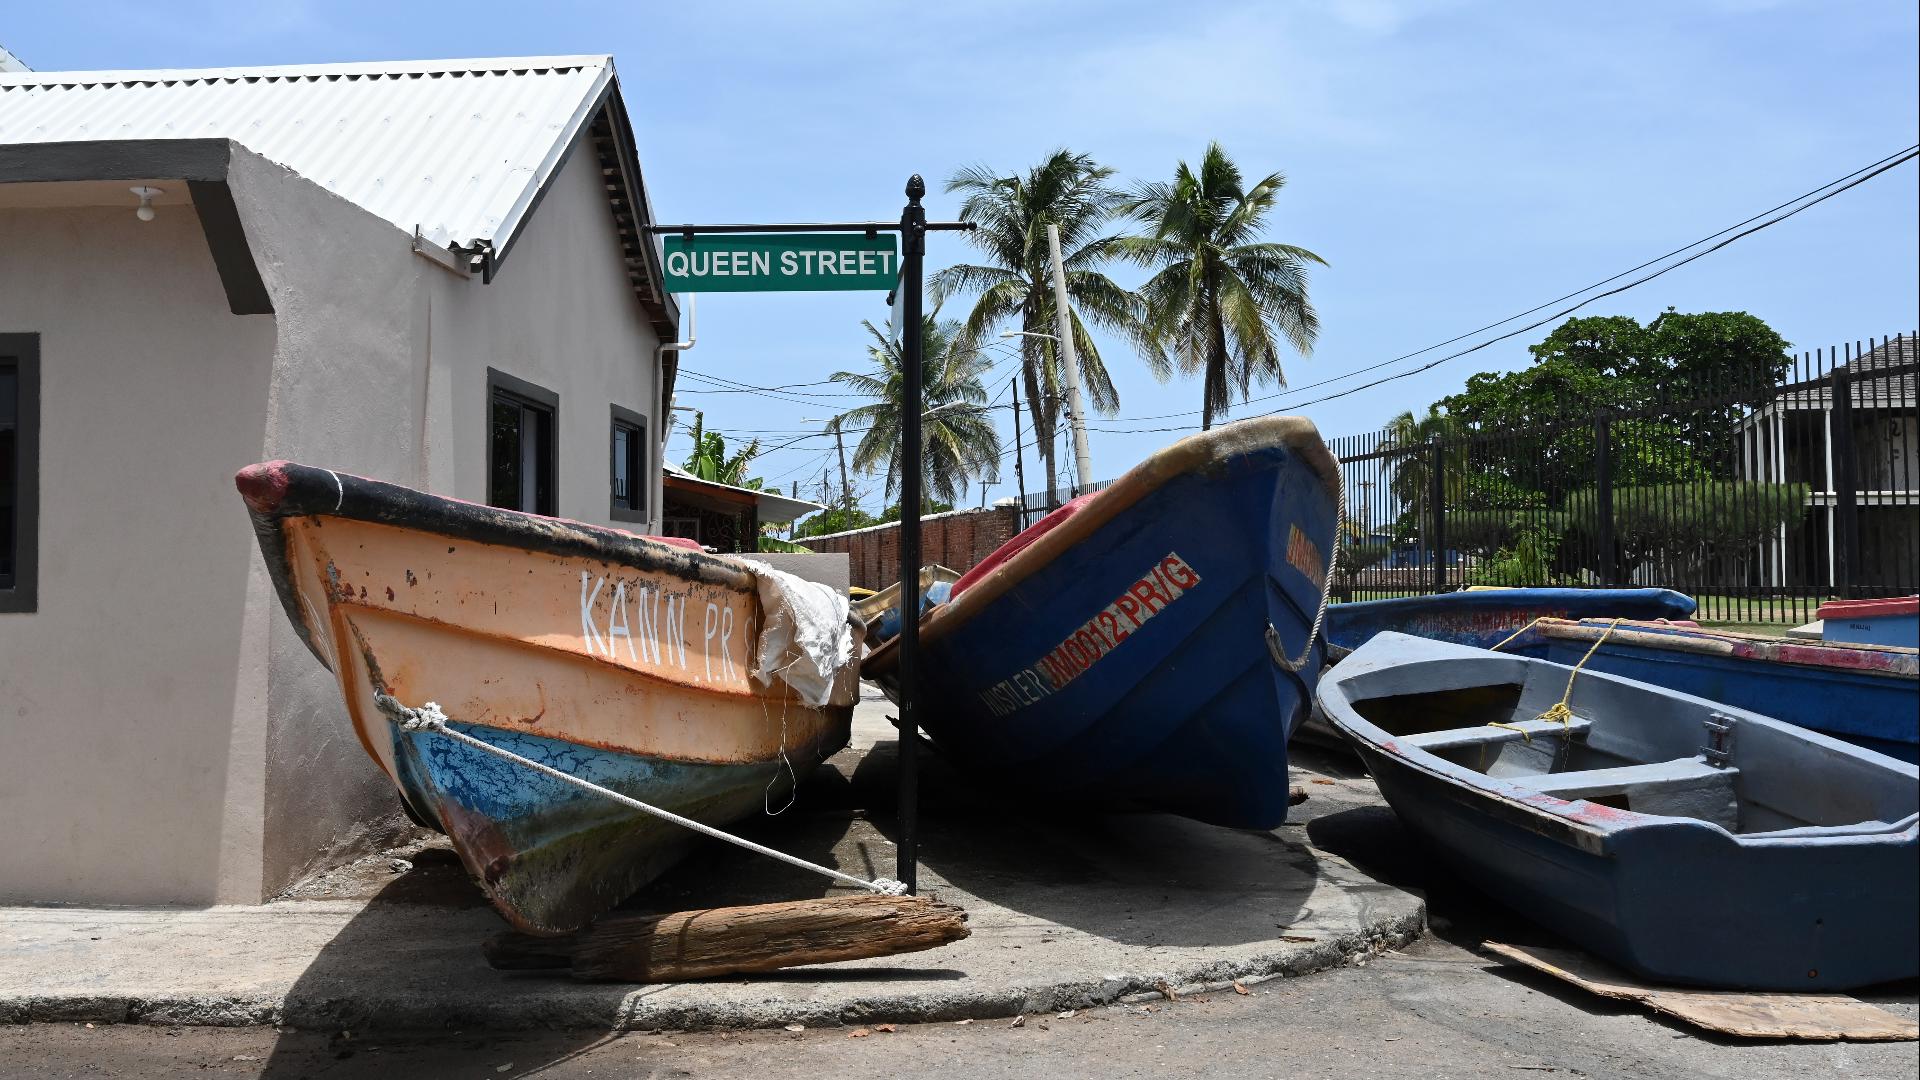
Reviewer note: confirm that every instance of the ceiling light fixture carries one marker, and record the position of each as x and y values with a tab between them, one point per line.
146	193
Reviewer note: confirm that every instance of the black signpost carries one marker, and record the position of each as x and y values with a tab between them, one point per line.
913	228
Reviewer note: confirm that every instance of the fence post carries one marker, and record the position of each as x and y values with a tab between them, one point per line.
1437	498
1846	510
1603	497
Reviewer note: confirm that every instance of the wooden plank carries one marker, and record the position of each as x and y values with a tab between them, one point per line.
1813	1017
735	940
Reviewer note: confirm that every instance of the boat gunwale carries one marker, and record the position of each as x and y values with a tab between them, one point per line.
1206	450
1706	641
276	491
1594	823
1498	595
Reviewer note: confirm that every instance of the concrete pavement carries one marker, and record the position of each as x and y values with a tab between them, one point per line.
1067	912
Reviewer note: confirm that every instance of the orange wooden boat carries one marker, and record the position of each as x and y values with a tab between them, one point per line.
620	659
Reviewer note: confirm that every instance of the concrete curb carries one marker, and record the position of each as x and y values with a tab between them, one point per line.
560	1004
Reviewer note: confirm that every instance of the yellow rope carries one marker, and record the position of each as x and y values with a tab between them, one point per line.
1560	710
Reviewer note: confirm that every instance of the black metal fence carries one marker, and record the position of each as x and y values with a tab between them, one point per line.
1760	497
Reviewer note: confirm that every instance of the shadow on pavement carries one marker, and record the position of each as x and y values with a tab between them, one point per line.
1138	878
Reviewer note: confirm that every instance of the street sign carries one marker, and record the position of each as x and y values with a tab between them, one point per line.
781	262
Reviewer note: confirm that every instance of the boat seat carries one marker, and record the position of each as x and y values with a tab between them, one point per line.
1684	787
1485	734
1519	749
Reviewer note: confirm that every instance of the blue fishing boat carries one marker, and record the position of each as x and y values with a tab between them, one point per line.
1482	617
1686	840
1868	695
671	676
1152	644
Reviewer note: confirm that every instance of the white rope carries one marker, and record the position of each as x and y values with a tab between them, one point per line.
429	717
1326	584
793	780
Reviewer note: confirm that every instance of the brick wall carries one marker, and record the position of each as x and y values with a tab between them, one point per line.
959	540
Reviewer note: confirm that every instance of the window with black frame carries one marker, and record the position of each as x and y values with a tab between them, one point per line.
522	433
19	469
627	471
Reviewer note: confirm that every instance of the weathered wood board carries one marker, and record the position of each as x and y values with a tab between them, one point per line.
1813	1017
736	940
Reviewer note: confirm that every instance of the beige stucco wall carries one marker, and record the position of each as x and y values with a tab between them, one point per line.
558	314
164	737
119	697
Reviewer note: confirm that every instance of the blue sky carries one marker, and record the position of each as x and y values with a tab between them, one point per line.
1454	161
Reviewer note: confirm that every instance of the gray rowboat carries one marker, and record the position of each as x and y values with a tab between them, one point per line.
1688	841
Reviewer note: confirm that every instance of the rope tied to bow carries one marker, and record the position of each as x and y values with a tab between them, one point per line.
430	718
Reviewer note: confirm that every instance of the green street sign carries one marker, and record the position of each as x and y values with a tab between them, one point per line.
781	262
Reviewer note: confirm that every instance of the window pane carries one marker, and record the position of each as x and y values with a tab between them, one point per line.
503	486
539	432
622	467
9	467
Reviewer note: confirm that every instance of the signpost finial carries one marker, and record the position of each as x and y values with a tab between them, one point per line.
916	188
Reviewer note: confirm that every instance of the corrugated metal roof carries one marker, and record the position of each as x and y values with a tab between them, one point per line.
773	506
458	148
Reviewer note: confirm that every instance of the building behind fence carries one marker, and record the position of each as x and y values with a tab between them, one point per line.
1762	498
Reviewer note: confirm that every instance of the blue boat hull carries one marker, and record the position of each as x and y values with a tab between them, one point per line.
1135	667
1878	711
1482	618
525	835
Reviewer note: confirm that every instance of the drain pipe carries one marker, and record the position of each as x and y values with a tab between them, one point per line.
660	352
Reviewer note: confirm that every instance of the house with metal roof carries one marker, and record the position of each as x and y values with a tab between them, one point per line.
1851	434
434	273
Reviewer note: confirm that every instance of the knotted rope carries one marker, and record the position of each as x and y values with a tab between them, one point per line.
430	718
1560	711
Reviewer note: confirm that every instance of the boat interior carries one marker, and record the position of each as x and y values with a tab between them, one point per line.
1636	748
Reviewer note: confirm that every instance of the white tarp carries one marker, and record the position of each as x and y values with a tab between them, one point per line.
805	638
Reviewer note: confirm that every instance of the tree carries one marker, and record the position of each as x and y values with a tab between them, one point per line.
1011	214
927	506
1721	361
1221	300
958	440
835	519
1700	372
1683	528
1412	483
709	459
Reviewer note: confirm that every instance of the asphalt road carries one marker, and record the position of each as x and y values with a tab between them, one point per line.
1432	1012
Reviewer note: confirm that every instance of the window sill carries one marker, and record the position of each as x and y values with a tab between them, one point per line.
631	517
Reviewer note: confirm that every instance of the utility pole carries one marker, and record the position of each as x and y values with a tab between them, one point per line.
1070	360
846	492
1019	473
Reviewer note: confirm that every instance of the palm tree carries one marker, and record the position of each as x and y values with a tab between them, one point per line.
1011	214
1221	300
958	441
1412	482
710	461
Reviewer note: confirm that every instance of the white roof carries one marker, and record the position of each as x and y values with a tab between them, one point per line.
458	148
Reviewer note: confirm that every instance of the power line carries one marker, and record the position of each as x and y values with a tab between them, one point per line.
1850	180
